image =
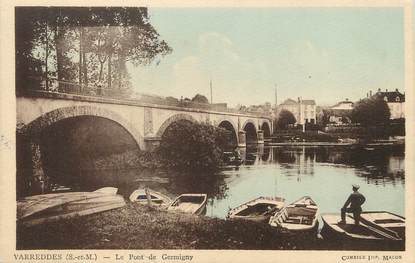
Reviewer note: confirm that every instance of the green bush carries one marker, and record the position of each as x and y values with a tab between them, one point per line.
193	146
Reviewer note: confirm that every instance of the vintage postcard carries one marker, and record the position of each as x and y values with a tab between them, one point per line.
198	131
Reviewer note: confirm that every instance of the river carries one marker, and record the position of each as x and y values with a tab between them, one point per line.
325	173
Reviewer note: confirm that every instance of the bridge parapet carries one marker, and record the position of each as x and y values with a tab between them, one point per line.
73	91
195	107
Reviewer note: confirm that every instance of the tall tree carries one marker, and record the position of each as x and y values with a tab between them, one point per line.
62	37
285	118
371	111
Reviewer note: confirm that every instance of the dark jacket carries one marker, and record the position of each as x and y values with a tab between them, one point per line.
355	200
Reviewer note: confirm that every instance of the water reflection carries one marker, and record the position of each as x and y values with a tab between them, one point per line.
325	173
384	162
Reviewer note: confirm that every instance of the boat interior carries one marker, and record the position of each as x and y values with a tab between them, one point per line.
302	215
154	199
359	230
258	209
189	199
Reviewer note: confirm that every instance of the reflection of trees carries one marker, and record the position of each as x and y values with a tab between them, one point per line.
380	164
284	155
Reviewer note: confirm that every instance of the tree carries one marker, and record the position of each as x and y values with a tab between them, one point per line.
196	146
198	98
371	111
88	45
285	118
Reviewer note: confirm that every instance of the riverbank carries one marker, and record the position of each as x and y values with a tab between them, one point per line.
386	143
141	227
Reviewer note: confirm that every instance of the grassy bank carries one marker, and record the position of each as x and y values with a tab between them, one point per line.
140	227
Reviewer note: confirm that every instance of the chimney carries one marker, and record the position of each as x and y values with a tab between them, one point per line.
379	90
370	93
397	90
347	99
367	95
386	90
298	98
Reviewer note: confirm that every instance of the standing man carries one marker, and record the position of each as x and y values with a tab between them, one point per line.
355	201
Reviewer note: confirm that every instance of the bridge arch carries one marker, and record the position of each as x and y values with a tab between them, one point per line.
34	128
229	125
266	128
251	131
172	119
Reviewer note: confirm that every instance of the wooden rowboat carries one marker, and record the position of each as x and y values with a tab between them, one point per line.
259	209
139	196
38	209
362	236
299	217
385	221
189	203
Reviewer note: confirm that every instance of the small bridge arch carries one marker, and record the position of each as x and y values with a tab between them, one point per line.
266	128
250	129
229	125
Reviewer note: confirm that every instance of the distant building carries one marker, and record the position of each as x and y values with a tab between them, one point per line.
340	112
265	108
395	101
304	111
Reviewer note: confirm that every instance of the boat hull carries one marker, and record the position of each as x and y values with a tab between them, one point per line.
34	210
351	237
139	196
189	203
298	219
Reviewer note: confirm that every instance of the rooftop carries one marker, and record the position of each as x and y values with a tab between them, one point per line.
392	96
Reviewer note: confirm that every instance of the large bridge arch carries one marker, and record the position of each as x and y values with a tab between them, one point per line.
171	119
34	128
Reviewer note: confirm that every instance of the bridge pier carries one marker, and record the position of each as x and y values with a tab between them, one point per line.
260	137
38	181
151	143
242	138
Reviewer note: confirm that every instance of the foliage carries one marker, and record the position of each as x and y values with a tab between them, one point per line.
371	111
198	98
88	45
285	118
187	145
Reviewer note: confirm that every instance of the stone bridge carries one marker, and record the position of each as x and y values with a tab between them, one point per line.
146	122
40	113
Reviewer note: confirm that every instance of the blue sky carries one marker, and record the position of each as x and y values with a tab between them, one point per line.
326	54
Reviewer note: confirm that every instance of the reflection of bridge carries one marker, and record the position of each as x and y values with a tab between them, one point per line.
145	122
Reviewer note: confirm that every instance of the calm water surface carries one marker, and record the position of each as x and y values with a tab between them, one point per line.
323	173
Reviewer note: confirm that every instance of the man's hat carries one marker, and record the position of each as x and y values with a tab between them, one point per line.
356	186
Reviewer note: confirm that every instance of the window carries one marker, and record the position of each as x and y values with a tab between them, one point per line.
397	98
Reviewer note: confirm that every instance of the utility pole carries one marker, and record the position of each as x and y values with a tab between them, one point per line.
276	96
211	97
